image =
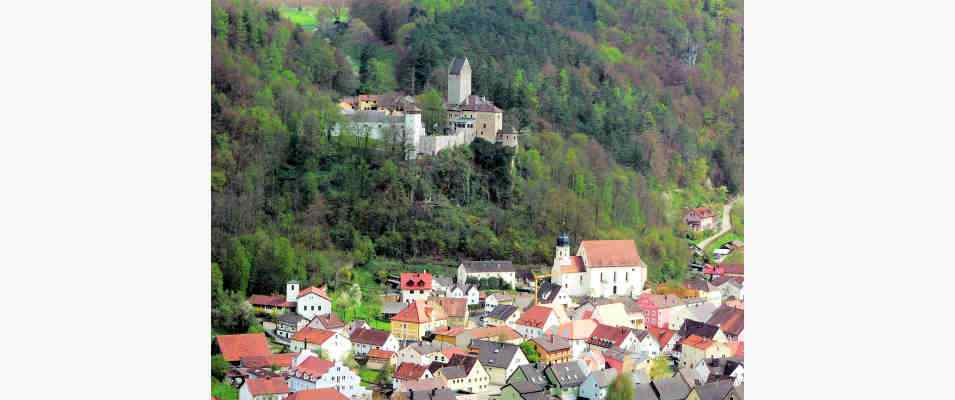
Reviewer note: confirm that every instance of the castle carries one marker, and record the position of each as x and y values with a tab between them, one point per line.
396	117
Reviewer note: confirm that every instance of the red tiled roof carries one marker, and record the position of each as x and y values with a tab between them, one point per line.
697	342
535	316
313	335
330	321
454	307
380	354
418	312
662	335
608	336
580	329
415	281
317	394
259	387
699	213
409	371
234	347
573	264
270	301
282	360
610	253
313	289
451	351
313	366
736	269
373	337
729	319
449	331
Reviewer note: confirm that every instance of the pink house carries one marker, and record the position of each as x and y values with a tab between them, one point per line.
657	308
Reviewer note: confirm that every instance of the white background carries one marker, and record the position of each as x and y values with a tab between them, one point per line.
104	203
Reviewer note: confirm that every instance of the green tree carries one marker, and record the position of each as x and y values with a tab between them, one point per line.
219	367
433	114
530	351
621	388
217	290
660	368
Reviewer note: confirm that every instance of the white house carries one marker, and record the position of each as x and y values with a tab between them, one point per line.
645	343
535	320
601	268
401	126
499	359
419	353
496	299
309	302
364	340
287	324
334	344
264	389
478	270
596	385
311	372
415	286
552	293
469	292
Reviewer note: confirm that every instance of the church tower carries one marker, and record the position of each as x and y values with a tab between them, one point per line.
459	80
561	253
291	291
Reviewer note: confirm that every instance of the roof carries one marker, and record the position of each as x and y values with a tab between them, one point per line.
501	296
610	253
454	307
571	264
735	269
330	321
424	348
451	351
313	366
234	347
418	312
644	392
270	301
290	318
444	281
502	312
317	394
729	319
576	330
552	343
672	388
607	336
453	372
697	342
696	328
373	337
723	279
312	289
281	360
259	387
464	361
449	331
548	292
534	373
535	316
488	266
604	377
612	314
696	214
697	284
313	335
526	387
502	332
475	103
662	335
568	374
415	281
715	390
380	354
457	64
392	307
434	393
494	354
410	371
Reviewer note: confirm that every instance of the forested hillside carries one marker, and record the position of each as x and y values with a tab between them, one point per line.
632	110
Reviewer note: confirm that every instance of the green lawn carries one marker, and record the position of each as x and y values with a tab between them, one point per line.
224	391
304	17
368	375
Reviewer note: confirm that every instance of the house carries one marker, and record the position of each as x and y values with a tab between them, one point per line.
503	314
606	336
287	324
502	333
466	291
364	340
234	347
419	353
332	343
416	320
380	359
552	348
730	322
552	293
274	303
523	391
725	369
716	390
415	286
264	389
700	219
328	322
447	336
311	372
665	339
533	373
729	286
672	388
419	387
601	268
455	308
613	314
499	359
645	343
354	326
592	360
309	302
701	329
695	349
622	361
442	393
465	373
496	299
535	320
704	290
660	309
565	379
477	270
409	372
577	333
317	394
596	385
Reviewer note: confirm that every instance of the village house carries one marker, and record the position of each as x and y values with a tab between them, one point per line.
701	329
332	343
410	372
665	339
502	333
645	343
426	393
441	284
264	389
281	361
365	340
447	336
317	394
287	324
235	347
328	322
601	268
660	309
469	292
696	349
672	388
577	333
625	362
533	373
700	219
499	359
308	302
415	286
552	348
416	320
725	369
477	270
378	359
455	308
535	321
496	299
729	286
613	314
596	385
465	373
503	314
419	353
730	321
311	372
565	379
523	391
552	293
592	360
606	336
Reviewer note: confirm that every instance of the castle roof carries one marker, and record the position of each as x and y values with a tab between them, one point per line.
457	65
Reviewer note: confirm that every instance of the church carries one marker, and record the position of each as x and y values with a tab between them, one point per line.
601	268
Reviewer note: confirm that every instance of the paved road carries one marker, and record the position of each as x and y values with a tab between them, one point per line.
725	225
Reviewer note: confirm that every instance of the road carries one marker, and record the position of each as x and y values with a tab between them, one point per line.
725	224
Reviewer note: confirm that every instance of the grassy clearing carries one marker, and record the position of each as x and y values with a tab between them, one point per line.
367	375
304	16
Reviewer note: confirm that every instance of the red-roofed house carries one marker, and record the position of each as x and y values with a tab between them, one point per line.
606	336
264	389
665	338
283	361
696	349
234	347
415	286
700	219
312	372
307	302
366	340
415	320
380	359
535	320
317	394
601	268
334	344
409	372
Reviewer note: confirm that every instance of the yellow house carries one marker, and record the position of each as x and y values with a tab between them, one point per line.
416	320
696	349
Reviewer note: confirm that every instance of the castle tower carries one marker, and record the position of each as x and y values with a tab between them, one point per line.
291	291
459	80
